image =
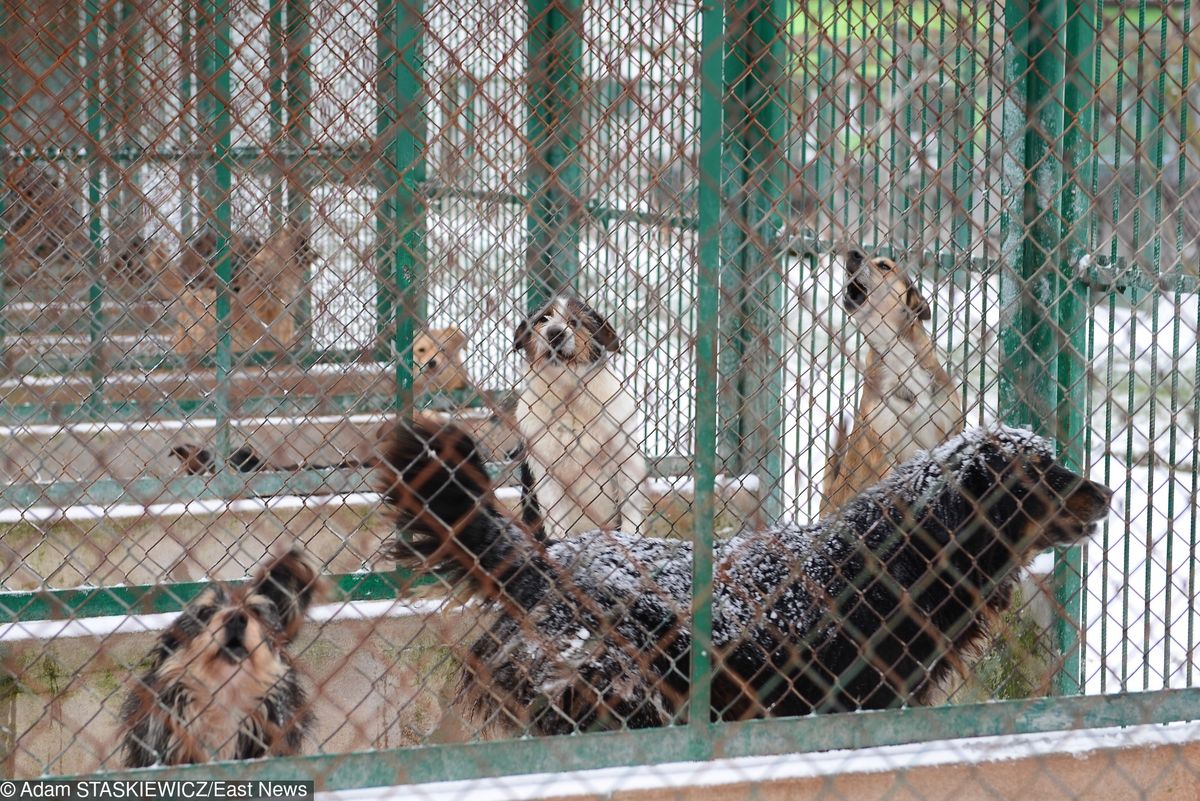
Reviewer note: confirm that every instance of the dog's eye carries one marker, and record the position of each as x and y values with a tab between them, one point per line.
204	614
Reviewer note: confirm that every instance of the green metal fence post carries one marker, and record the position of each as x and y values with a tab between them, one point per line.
5	160
1031	233
759	100
1073	316
187	211
554	108
1044	310
125	115
95	131
731	345
708	276
297	39
276	67
215	125
401	126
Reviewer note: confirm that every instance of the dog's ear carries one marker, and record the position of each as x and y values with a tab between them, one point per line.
915	302
451	339
291	583
605	334
522	336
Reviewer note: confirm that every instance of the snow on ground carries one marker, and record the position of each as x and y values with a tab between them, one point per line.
136	624
678	776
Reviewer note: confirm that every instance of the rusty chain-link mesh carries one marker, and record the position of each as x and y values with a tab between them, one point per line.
241	240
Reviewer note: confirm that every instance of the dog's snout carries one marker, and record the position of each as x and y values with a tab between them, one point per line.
432	364
855	257
1090	501
855	295
235	627
556	335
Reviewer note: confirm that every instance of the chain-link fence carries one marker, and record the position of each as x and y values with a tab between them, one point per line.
812	241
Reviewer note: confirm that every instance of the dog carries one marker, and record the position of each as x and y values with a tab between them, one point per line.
438	361
45	234
579	422
908	401
266	286
867	609
221	684
195	460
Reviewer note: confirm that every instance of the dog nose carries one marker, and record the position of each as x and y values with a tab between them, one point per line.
555	336
235	628
431	364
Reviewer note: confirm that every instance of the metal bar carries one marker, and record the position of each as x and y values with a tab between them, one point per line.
1139	111
708	277
1012	214
129	214
555	40
756	69
674	744
153	492
58	364
276	66
1033	123
186	130
598	212
213	34
1126	541
141	599
1184	119
1073	321
24	414
96	368
181	489
731	343
297	39
407	160
401	226
5	160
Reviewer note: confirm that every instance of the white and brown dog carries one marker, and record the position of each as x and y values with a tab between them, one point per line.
909	403
579	422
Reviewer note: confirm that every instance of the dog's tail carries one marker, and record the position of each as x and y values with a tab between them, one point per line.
434	479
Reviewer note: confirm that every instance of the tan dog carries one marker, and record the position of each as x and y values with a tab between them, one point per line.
267	287
438	360
45	235
908	403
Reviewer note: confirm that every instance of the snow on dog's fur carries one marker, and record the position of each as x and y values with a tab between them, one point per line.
221	684
866	609
579	422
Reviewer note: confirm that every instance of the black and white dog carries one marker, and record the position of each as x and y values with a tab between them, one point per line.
579	422
867	609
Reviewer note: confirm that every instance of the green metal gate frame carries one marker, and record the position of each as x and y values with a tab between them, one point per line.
1039	168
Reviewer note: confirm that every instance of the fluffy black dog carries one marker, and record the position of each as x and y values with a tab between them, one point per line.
866	609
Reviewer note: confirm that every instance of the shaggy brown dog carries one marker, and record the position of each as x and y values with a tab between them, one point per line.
221	683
